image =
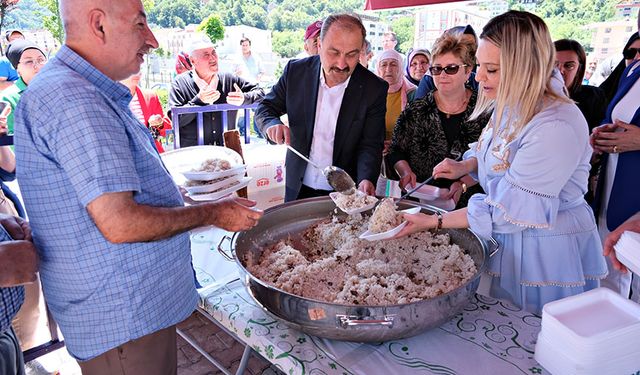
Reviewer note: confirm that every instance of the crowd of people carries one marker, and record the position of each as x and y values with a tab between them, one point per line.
545	165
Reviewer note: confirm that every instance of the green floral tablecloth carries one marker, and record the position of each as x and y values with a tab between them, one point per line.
488	337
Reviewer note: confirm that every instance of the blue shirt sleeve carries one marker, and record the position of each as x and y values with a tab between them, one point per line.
426	85
6	70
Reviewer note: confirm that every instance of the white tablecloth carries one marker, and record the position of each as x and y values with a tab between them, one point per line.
488	337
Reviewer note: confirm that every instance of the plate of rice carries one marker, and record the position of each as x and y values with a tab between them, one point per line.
212	169
386	222
354	203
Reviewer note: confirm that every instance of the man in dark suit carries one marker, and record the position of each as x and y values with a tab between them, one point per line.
336	112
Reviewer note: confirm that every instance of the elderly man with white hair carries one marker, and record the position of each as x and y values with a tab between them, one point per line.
205	85
109	223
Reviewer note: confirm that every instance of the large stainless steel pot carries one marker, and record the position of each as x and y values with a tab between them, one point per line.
338	321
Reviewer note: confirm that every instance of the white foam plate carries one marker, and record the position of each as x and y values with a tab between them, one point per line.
201	189
188	158
429	192
390	233
593	315
628	251
334	196
208	176
222	193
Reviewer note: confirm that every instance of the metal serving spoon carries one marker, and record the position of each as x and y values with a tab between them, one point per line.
339	180
409	192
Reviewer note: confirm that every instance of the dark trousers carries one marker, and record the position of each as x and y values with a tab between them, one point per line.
153	354
11	360
307	192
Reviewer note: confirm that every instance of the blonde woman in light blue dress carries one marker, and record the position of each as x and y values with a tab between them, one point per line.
532	160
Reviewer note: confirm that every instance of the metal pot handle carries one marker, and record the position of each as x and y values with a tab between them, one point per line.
346	321
223	252
494	246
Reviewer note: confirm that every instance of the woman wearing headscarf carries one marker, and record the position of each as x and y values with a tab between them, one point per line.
417	65
389	68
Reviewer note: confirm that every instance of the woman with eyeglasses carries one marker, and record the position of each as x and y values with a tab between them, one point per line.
27	58
618	143
533	162
389	68
417	65
439	125
464	32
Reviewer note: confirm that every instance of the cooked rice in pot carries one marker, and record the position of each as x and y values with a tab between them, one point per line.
333	265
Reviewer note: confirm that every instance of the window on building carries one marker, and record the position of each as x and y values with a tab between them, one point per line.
604	51
628	29
372	33
606	40
607	30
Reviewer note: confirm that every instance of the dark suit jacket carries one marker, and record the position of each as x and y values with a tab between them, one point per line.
359	137
624	200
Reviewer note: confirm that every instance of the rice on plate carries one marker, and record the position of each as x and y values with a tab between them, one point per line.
332	264
213	165
353	201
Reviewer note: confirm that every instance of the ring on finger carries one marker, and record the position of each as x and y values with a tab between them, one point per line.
615	149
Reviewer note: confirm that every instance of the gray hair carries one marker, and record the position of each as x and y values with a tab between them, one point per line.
366	45
347	21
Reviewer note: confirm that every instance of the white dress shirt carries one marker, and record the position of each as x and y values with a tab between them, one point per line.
324	131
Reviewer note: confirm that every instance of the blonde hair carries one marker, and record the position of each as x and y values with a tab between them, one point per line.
461	48
527	60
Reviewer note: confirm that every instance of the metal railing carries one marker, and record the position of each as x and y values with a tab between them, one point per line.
200	110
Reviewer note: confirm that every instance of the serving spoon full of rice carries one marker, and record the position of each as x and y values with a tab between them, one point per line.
339	180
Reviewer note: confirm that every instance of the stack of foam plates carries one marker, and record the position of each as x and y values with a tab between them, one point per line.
628	251
596	332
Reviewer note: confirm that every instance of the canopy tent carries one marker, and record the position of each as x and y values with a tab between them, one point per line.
391	4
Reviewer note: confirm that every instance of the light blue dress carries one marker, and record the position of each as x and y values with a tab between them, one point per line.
534	207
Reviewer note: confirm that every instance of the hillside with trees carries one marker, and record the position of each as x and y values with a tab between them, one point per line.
288	18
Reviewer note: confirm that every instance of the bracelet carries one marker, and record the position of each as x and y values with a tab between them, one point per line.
439	226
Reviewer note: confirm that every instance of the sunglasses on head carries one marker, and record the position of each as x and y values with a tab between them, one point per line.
449	69
630	53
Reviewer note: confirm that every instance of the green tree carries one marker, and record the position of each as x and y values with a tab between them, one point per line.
565	17
6	6
255	16
175	13
287	43
148	5
26	16
52	21
213	27
403	27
